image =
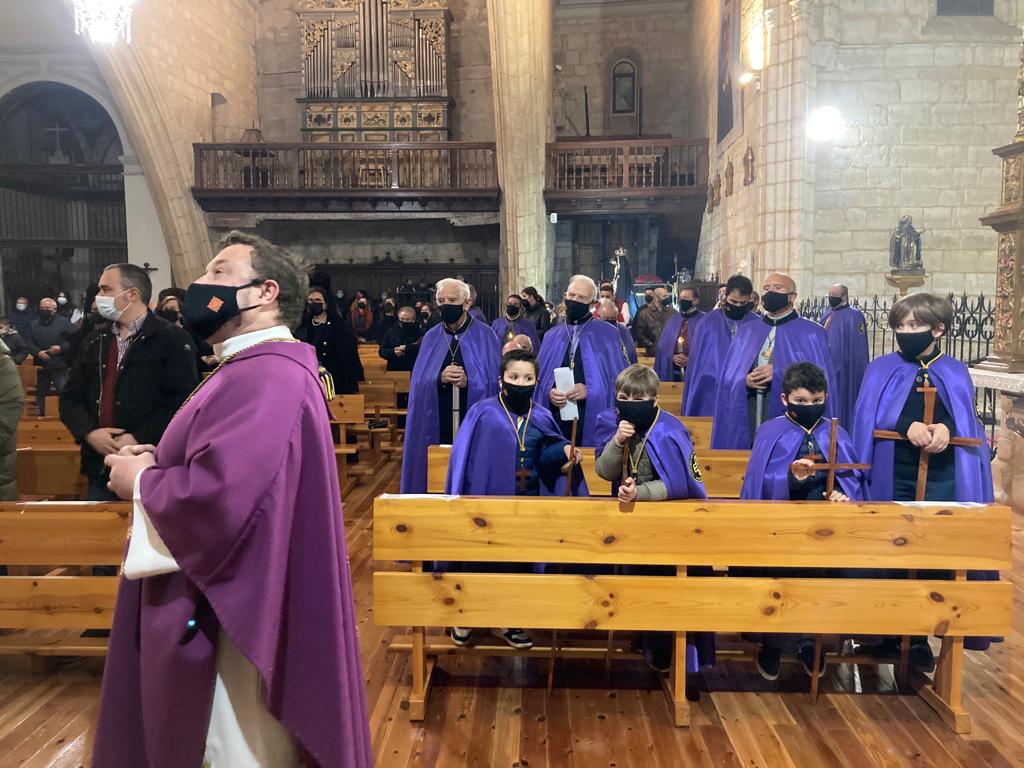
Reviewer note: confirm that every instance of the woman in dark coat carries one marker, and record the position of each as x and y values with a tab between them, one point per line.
335	343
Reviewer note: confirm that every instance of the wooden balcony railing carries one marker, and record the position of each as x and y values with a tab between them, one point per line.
641	167
434	168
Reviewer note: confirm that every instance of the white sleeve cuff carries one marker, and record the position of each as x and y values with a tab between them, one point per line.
147	553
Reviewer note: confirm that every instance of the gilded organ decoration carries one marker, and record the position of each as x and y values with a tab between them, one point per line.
365	60
1011	180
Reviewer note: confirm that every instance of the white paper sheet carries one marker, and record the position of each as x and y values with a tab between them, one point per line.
564	381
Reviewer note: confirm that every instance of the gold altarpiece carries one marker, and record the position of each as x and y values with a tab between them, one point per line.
375	70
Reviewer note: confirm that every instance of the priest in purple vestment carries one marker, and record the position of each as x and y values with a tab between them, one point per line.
673	348
710	343
234	638
750	386
515	323
592	350
846	334
457	366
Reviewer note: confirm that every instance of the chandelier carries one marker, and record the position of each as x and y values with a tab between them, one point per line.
104	20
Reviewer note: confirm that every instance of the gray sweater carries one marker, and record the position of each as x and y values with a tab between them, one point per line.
648	486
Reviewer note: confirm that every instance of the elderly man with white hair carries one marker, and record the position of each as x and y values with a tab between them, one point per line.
457	366
592	350
608	311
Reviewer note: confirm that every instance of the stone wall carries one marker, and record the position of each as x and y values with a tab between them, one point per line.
279	78
586	46
925	101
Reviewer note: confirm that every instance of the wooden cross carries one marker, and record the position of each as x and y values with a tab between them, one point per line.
832	465
572	453
929	393
523	475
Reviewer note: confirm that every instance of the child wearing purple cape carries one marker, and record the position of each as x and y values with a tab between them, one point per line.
889	400
662	466
508	447
779	469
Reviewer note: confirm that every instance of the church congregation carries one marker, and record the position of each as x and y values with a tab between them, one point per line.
511	383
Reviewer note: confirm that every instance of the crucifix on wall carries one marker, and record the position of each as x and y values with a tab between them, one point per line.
58	157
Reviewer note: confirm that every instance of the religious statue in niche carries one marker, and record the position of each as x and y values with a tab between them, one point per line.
748	166
905	249
730	172
711	197
718	189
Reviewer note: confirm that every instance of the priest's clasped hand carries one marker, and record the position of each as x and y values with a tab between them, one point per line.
126	465
454	374
760	377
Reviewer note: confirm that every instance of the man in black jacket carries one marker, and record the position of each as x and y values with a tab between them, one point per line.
49	339
401	343
128	381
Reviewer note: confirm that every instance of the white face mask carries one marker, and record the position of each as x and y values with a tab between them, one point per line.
21	307
61	300
105	306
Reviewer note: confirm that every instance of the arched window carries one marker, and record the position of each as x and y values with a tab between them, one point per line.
623	88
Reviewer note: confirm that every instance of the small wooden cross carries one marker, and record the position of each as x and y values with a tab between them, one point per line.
523	476
929	393
832	465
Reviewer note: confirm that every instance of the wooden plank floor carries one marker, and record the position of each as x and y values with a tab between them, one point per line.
495	712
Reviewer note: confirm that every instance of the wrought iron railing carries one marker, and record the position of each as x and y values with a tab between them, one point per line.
969	340
443	167
646	165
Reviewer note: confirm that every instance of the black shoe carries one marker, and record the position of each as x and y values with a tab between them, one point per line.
805	652
460	636
889	648
768	662
659	659
517	638
921	656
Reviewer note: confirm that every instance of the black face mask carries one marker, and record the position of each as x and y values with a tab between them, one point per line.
611	320
362	305
315	307
46	315
649	299
517	397
734	312
409	330
96	319
513	311
666	302
640	413
806	415
914	344
773	301
576	311
170	315
685	305
208	307
451	313
425	315
835	301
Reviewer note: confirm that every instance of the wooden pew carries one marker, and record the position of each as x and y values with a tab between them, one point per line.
43	432
400	378
59	535
573	532
51	470
722	470
670	396
346	413
382	404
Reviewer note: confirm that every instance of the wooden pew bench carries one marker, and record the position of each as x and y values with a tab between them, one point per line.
49	611
670	398
571	532
723	471
346	414
43	431
51	471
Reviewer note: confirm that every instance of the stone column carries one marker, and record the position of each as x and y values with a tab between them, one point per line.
521	75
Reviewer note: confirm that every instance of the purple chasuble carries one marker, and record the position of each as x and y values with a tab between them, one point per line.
796	341
887	383
846	334
483	460
708	348
666	346
422	425
522	325
245	495
601	352
776	446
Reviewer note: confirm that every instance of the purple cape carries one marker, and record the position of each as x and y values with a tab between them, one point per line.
666	346
603	360
883	394
628	344
478	314
796	341
245	495
670	449
708	348
846	334
775	448
483	460
480	354
522	325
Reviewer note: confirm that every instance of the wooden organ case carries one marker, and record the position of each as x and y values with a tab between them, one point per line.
375	70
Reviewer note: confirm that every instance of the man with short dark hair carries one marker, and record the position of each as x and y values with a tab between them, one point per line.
234	638
127	380
651	322
673	349
49	339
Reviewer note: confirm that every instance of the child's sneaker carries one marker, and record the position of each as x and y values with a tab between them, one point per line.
460	636
768	660
517	638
